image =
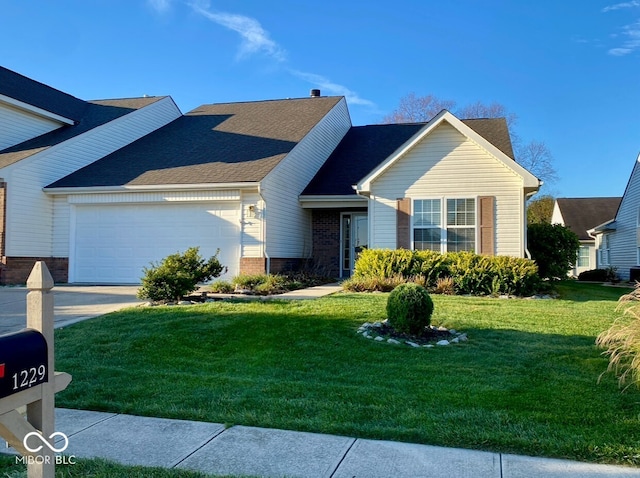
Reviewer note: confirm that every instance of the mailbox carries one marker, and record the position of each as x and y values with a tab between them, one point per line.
23	361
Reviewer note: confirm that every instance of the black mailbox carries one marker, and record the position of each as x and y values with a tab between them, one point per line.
23	361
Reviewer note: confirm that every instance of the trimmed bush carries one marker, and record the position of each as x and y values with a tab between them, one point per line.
382	269
554	247
595	275
178	275
409	308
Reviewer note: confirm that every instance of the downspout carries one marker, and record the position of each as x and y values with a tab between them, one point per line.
263	230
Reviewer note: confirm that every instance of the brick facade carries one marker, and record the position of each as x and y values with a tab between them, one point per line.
326	241
16	270
3	216
253	265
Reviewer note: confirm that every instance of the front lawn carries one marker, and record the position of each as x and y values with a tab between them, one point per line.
526	382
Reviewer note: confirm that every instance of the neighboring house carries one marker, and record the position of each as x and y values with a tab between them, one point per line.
581	215
46	134
270	184
618	239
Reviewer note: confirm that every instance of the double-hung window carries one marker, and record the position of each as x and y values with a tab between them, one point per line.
444	225
604	250
584	257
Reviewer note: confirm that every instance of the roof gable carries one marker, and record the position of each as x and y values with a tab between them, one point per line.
530	181
95	113
582	214
218	143
366	148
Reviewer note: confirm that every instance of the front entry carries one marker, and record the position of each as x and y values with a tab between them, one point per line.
354	238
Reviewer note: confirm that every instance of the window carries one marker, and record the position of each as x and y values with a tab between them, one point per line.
583	256
444	225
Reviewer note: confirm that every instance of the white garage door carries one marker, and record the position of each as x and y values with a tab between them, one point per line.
113	243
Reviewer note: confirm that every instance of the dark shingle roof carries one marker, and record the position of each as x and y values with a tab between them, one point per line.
36	94
219	143
365	147
582	214
95	113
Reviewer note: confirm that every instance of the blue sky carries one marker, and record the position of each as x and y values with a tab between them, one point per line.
570	69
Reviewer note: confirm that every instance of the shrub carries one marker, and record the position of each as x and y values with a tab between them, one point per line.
622	340
178	275
595	275
409	308
379	269
445	286
221	287
554	248
249	281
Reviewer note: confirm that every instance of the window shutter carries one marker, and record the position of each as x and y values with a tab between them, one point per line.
486	217
403	223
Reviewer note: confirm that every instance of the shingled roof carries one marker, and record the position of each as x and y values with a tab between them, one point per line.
33	93
365	147
582	214
218	143
94	114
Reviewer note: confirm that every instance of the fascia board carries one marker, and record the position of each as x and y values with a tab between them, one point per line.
35	110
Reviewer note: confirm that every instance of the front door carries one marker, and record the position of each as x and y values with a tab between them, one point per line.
355	238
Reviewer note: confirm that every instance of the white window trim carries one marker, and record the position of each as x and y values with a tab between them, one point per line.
443	219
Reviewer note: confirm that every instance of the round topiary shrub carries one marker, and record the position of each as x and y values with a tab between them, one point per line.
409	308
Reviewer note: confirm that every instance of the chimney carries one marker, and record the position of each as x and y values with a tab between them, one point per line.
315	93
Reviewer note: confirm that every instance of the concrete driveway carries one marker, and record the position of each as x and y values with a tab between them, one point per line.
72	304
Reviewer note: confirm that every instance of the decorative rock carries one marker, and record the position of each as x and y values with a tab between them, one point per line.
462	337
453	331
365	325
393	341
413	344
429	346
368	336
377	325
379	339
443	342
443	329
455	341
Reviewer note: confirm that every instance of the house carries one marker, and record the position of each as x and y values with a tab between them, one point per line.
268	184
45	135
618	239
580	215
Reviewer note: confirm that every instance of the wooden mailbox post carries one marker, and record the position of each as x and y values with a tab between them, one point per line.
27	379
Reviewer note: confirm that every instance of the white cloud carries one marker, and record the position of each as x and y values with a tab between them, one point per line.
618	6
161	6
255	39
333	88
632	43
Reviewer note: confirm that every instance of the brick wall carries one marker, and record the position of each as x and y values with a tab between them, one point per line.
326	240
252	265
3	216
16	270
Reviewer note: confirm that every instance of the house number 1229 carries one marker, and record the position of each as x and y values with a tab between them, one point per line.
29	377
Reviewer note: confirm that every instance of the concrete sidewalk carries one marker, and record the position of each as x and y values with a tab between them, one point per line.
250	451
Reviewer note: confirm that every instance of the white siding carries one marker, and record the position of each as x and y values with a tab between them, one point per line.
447	164
17	126
30	211
623	242
288	225
251	236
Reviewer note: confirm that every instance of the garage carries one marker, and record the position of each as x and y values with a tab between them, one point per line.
112	243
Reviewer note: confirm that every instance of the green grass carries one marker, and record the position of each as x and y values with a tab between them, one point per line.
98	468
527	382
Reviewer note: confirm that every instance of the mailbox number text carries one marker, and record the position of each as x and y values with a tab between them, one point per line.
27	378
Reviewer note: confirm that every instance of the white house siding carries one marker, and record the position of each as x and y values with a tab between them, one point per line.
288	225
251	243
447	164
30	211
17	125
623	242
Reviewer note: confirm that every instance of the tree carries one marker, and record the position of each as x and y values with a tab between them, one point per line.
534	156
540	210
554	248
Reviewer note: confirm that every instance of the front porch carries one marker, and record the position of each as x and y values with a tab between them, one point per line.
338	236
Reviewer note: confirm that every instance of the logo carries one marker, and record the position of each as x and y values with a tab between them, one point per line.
40	438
